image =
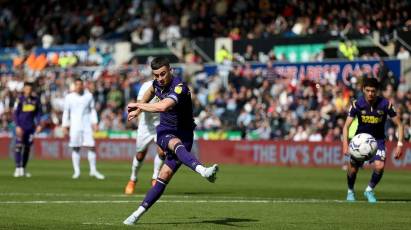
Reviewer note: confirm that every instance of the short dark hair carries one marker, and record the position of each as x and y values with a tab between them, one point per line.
370	82
78	79
29	83
159	62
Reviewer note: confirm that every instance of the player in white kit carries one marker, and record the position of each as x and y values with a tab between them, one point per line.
146	134
80	117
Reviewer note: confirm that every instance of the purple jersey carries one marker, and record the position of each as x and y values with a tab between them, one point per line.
180	117
27	112
371	119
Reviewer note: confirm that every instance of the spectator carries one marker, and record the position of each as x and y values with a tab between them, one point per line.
315	136
249	54
403	53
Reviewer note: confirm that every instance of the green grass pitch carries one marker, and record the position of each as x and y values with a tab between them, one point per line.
245	197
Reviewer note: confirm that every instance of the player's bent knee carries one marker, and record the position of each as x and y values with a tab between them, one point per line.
173	142
379	166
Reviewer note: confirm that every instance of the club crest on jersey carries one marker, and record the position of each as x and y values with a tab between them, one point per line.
178	89
363	112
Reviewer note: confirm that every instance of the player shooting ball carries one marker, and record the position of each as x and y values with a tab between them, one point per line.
174	133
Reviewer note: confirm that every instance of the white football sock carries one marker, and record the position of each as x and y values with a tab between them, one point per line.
91	155
135	167
368	189
21	171
350	190
75	158
139	212
133	218
158	162
200	169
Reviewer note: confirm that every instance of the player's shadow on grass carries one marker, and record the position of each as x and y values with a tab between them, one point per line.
228	221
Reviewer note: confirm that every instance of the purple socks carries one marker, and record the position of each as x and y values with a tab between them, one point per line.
154	193
186	157
375	178
351	180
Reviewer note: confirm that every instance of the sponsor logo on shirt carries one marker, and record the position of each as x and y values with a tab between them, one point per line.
371	119
28	108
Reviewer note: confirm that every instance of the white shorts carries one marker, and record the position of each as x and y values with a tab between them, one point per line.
144	138
81	138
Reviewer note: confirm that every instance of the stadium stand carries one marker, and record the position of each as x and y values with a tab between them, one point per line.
253	101
70	22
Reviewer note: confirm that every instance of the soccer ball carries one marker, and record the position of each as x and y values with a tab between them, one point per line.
363	147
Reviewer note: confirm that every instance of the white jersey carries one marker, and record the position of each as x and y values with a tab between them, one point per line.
148	121
79	111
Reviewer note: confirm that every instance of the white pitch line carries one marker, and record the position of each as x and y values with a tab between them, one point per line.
99	223
296	201
66	194
182	196
119	195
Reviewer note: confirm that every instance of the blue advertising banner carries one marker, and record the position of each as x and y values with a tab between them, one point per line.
315	70
81	51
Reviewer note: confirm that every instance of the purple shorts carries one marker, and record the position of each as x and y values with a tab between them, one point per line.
164	137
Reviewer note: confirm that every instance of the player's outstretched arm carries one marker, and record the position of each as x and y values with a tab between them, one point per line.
158	107
400	128
347	124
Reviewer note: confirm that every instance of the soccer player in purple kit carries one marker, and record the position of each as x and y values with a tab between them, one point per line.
27	114
372	111
174	133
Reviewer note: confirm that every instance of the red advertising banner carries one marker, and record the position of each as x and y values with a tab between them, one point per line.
57	148
110	149
5	147
276	153
287	153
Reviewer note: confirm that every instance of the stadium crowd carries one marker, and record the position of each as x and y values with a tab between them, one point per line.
254	101
279	107
144	21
